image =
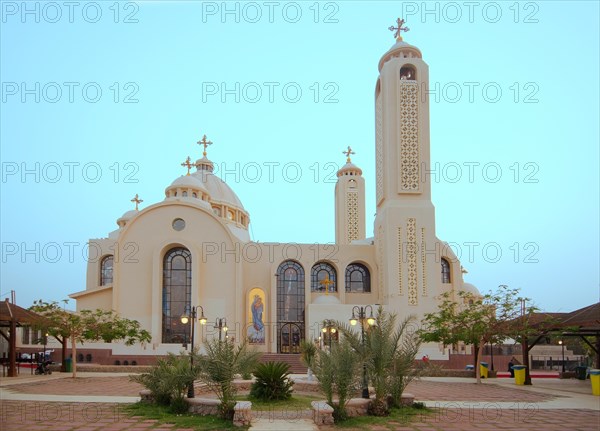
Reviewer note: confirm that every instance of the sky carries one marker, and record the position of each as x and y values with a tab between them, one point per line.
103	100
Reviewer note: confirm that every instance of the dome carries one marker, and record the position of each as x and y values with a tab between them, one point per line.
218	189
469	288
184	184
402	50
121	221
186	181
349	169
326	299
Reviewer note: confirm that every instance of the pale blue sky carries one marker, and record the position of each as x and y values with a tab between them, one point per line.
541	212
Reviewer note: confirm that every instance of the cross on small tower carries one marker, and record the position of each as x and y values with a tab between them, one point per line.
348	152
137	201
399	29
326	282
204	142
187	164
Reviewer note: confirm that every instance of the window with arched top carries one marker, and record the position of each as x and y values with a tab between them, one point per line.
358	278
320	272
408	73
176	294
184	194
290	292
106	270
445	271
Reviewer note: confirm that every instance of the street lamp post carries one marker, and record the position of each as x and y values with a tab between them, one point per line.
45	343
221	325
563	354
328	330
191	317
359	313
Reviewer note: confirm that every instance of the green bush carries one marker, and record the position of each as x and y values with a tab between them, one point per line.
338	373
272	382
218	367
168	381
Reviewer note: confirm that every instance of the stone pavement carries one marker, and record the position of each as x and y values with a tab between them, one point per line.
92	403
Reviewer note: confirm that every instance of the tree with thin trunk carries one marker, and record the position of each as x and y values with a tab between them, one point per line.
477	320
87	325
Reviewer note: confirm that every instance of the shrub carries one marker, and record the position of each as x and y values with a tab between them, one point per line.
168	380
218	367
272	382
339	373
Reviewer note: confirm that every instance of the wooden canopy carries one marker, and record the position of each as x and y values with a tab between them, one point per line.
11	316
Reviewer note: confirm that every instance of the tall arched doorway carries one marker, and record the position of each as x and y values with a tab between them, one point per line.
290	307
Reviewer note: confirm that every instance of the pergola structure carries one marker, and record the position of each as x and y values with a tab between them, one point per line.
12	316
583	323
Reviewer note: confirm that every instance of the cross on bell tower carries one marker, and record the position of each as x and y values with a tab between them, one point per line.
348	152
397	35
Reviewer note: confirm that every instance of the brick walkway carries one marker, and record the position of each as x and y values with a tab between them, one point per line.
441	391
106	386
459	405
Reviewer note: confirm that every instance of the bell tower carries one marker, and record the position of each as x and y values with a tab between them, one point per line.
349	202
407	250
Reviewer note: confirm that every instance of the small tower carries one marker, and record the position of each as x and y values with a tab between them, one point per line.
349	203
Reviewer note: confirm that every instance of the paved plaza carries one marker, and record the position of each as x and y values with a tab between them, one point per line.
93	402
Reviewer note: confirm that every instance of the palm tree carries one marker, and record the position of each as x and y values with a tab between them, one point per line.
389	351
218	368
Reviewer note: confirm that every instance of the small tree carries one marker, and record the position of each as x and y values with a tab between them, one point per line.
168	381
389	352
88	325
218	367
338	373
478	320
308	351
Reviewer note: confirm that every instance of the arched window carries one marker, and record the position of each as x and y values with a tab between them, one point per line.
184	194
445	271
408	73
290	292
358	278
176	294
319	272
106	271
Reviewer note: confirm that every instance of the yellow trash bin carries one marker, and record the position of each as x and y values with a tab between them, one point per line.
483	370
595	378
520	371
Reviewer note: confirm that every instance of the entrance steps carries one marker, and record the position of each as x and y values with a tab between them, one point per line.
294	361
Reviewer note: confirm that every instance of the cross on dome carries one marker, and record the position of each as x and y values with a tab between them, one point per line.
137	201
204	142
188	164
348	152
397	35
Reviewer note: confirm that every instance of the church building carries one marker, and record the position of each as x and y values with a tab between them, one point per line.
192	252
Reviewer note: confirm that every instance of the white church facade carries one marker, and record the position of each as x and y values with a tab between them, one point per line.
193	248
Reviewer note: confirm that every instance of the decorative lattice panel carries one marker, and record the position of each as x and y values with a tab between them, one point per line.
352	214
400	258
424	261
409	137
411	259
379	148
381	260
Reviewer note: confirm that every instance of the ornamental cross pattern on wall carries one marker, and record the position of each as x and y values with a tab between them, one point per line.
352	216
411	257
379	148
409	137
